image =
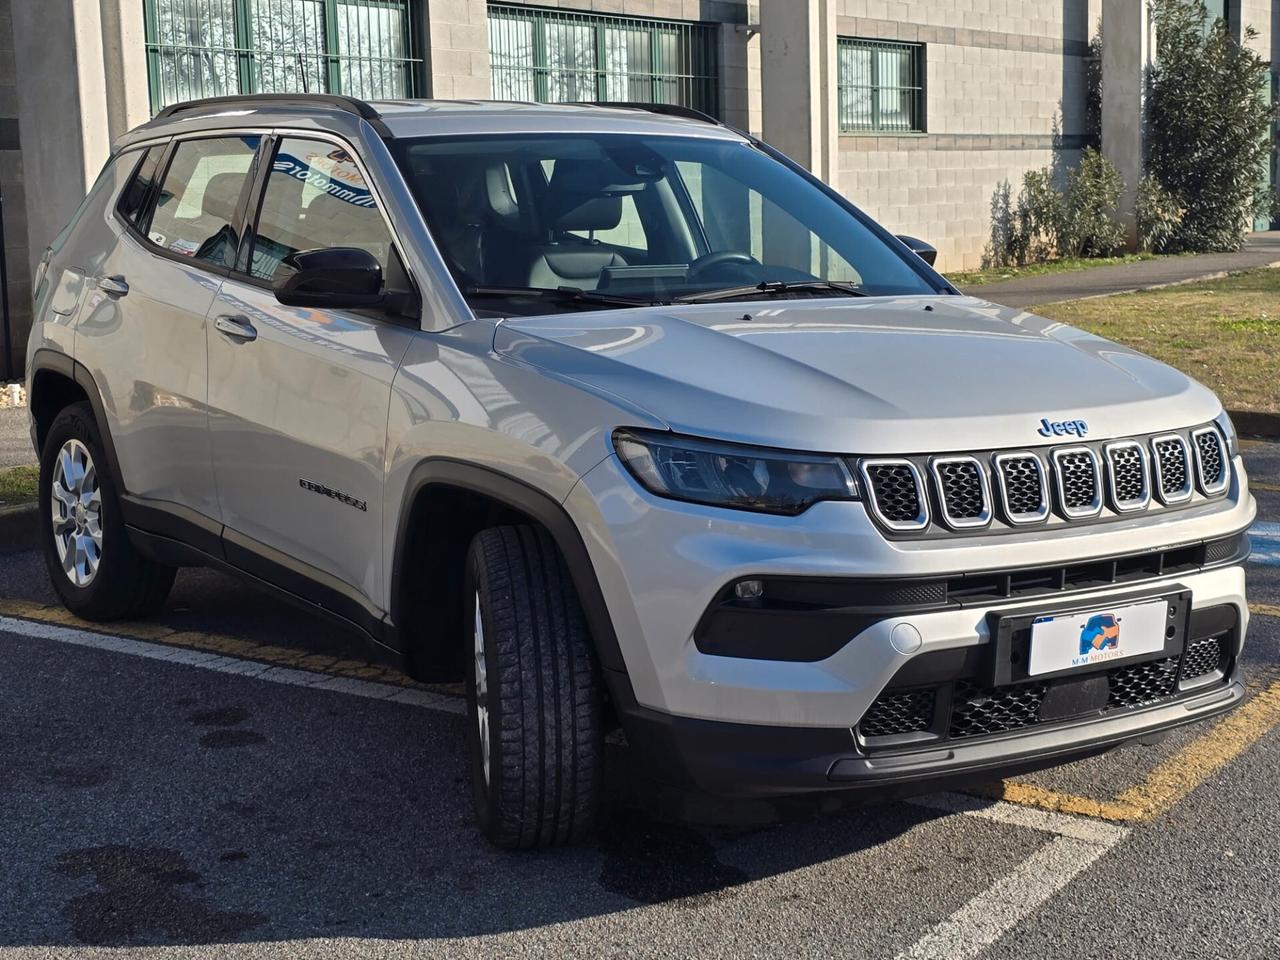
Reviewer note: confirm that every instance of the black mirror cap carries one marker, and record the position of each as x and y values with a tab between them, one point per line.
334	277
925	251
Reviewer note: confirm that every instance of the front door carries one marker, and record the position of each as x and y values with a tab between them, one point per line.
298	397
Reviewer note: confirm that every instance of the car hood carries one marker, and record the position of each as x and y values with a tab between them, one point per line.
876	375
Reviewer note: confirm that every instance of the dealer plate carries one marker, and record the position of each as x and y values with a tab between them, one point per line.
1082	640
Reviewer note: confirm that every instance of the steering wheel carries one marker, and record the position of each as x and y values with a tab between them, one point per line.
723	258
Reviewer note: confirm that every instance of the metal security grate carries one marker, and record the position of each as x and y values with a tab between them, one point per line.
209	48
1079	491
1127	471
881	86
892	714
1173	470
553	56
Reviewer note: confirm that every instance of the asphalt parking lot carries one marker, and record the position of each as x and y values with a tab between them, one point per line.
232	780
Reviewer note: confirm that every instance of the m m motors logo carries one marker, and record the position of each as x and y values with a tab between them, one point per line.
1099	639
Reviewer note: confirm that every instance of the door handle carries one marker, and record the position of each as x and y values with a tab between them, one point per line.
237	328
116	286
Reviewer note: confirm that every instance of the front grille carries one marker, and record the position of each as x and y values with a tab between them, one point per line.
1143	683
910	711
1202	658
1079	490
962	492
1172	469
1127	472
1022	487
1211	465
896	493
977	711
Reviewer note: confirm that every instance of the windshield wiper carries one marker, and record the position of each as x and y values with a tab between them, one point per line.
774	288
562	295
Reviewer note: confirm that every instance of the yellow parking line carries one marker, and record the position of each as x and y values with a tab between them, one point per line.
216	643
1268	487
1171	781
1264	609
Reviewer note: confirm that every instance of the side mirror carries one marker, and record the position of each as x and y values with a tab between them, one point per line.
925	251
337	277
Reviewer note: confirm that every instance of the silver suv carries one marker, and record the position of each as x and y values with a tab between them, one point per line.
629	421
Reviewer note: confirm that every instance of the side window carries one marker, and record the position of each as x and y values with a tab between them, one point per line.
134	196
316	197
195	210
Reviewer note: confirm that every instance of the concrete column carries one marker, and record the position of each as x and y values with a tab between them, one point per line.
798	80
62	109
1128	50
124	54
457	49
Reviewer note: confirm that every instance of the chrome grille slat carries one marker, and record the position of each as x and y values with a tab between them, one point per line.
963	494
1211	461
1024	494
1127	481
1078	482
1172	463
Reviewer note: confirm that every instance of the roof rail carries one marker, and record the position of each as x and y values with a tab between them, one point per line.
332	100
665	109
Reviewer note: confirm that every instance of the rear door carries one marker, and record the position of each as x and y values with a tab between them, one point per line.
142	332
298	397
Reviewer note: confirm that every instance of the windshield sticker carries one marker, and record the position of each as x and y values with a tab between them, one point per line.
335	173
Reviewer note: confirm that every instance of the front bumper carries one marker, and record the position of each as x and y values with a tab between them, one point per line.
745	760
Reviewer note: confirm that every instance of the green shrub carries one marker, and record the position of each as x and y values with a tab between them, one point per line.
1208	126
1087	222
1159	215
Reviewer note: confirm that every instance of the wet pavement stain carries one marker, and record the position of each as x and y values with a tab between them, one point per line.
78	777
219	717
222	739
139	899
653	862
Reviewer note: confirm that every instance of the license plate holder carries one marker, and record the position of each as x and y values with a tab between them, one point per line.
1011	635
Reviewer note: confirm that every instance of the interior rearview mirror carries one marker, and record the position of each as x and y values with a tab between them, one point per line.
335	277
925	251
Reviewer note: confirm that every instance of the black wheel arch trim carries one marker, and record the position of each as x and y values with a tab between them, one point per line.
53	361
446	472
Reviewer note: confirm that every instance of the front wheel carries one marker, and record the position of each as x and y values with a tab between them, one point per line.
96	572
533	694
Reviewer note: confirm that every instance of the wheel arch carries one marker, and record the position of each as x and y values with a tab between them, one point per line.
57	381
445	503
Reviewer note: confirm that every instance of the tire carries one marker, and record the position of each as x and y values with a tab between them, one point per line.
121	583
541	784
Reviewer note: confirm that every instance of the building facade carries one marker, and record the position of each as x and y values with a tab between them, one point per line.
919	111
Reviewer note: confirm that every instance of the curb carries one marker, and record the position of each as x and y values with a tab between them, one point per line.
19	528
1251	423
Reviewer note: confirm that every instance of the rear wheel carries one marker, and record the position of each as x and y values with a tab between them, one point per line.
533	693
96	572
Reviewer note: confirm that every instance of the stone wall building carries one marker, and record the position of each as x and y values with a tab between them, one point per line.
917	110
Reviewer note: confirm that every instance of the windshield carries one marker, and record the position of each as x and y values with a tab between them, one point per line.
520	220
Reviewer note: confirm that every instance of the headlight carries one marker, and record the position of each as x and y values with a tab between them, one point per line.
729	475
1223	420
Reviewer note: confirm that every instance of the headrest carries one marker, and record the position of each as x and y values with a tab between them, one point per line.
502	201
221	195
589	213
592	177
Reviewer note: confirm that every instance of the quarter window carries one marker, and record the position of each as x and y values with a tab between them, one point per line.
881	86
134	196
316	197
195	209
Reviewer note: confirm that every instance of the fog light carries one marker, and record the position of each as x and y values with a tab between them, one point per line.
749	589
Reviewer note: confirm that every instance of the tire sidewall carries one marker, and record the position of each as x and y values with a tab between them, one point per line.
76	423
484	795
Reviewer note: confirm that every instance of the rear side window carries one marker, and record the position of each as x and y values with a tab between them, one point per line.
195	210
316	197
134	197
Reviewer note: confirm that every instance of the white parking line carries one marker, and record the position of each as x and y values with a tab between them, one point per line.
252	669
1266	544
1077	843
